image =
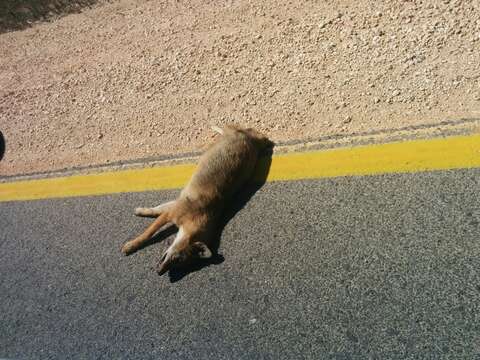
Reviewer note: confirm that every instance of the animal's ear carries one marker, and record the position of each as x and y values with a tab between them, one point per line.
165	264
217	129
203	250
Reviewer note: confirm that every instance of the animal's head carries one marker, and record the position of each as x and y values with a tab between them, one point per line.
179	255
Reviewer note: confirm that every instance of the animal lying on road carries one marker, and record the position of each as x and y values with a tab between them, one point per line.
223	169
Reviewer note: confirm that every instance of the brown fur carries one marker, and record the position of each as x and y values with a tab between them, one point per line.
222	170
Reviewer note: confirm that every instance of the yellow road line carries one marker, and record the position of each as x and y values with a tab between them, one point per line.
400	157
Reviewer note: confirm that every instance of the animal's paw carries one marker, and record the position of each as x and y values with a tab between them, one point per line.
128	248
138	211
144	212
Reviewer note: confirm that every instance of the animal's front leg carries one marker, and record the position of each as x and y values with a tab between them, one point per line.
133	245
155	211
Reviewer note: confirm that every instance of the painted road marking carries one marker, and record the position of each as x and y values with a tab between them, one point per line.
400	157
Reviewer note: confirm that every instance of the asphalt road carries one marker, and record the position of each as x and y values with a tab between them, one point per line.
378	267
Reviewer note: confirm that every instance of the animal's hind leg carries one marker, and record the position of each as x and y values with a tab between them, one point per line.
133	245
155	211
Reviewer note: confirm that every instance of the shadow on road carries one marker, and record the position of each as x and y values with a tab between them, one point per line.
241	199
20	14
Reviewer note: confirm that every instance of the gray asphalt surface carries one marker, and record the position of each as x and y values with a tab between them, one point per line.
380	267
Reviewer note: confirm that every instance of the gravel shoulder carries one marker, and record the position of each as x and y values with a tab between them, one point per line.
130	79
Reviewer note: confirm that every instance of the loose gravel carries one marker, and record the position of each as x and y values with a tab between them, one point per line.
131	79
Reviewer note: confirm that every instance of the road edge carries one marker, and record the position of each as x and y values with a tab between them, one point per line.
437	153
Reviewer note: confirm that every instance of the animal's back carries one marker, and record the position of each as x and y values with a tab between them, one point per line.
223	169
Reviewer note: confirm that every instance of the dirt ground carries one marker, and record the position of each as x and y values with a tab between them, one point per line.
131	79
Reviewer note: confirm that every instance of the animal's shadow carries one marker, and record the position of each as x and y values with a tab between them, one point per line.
239	201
